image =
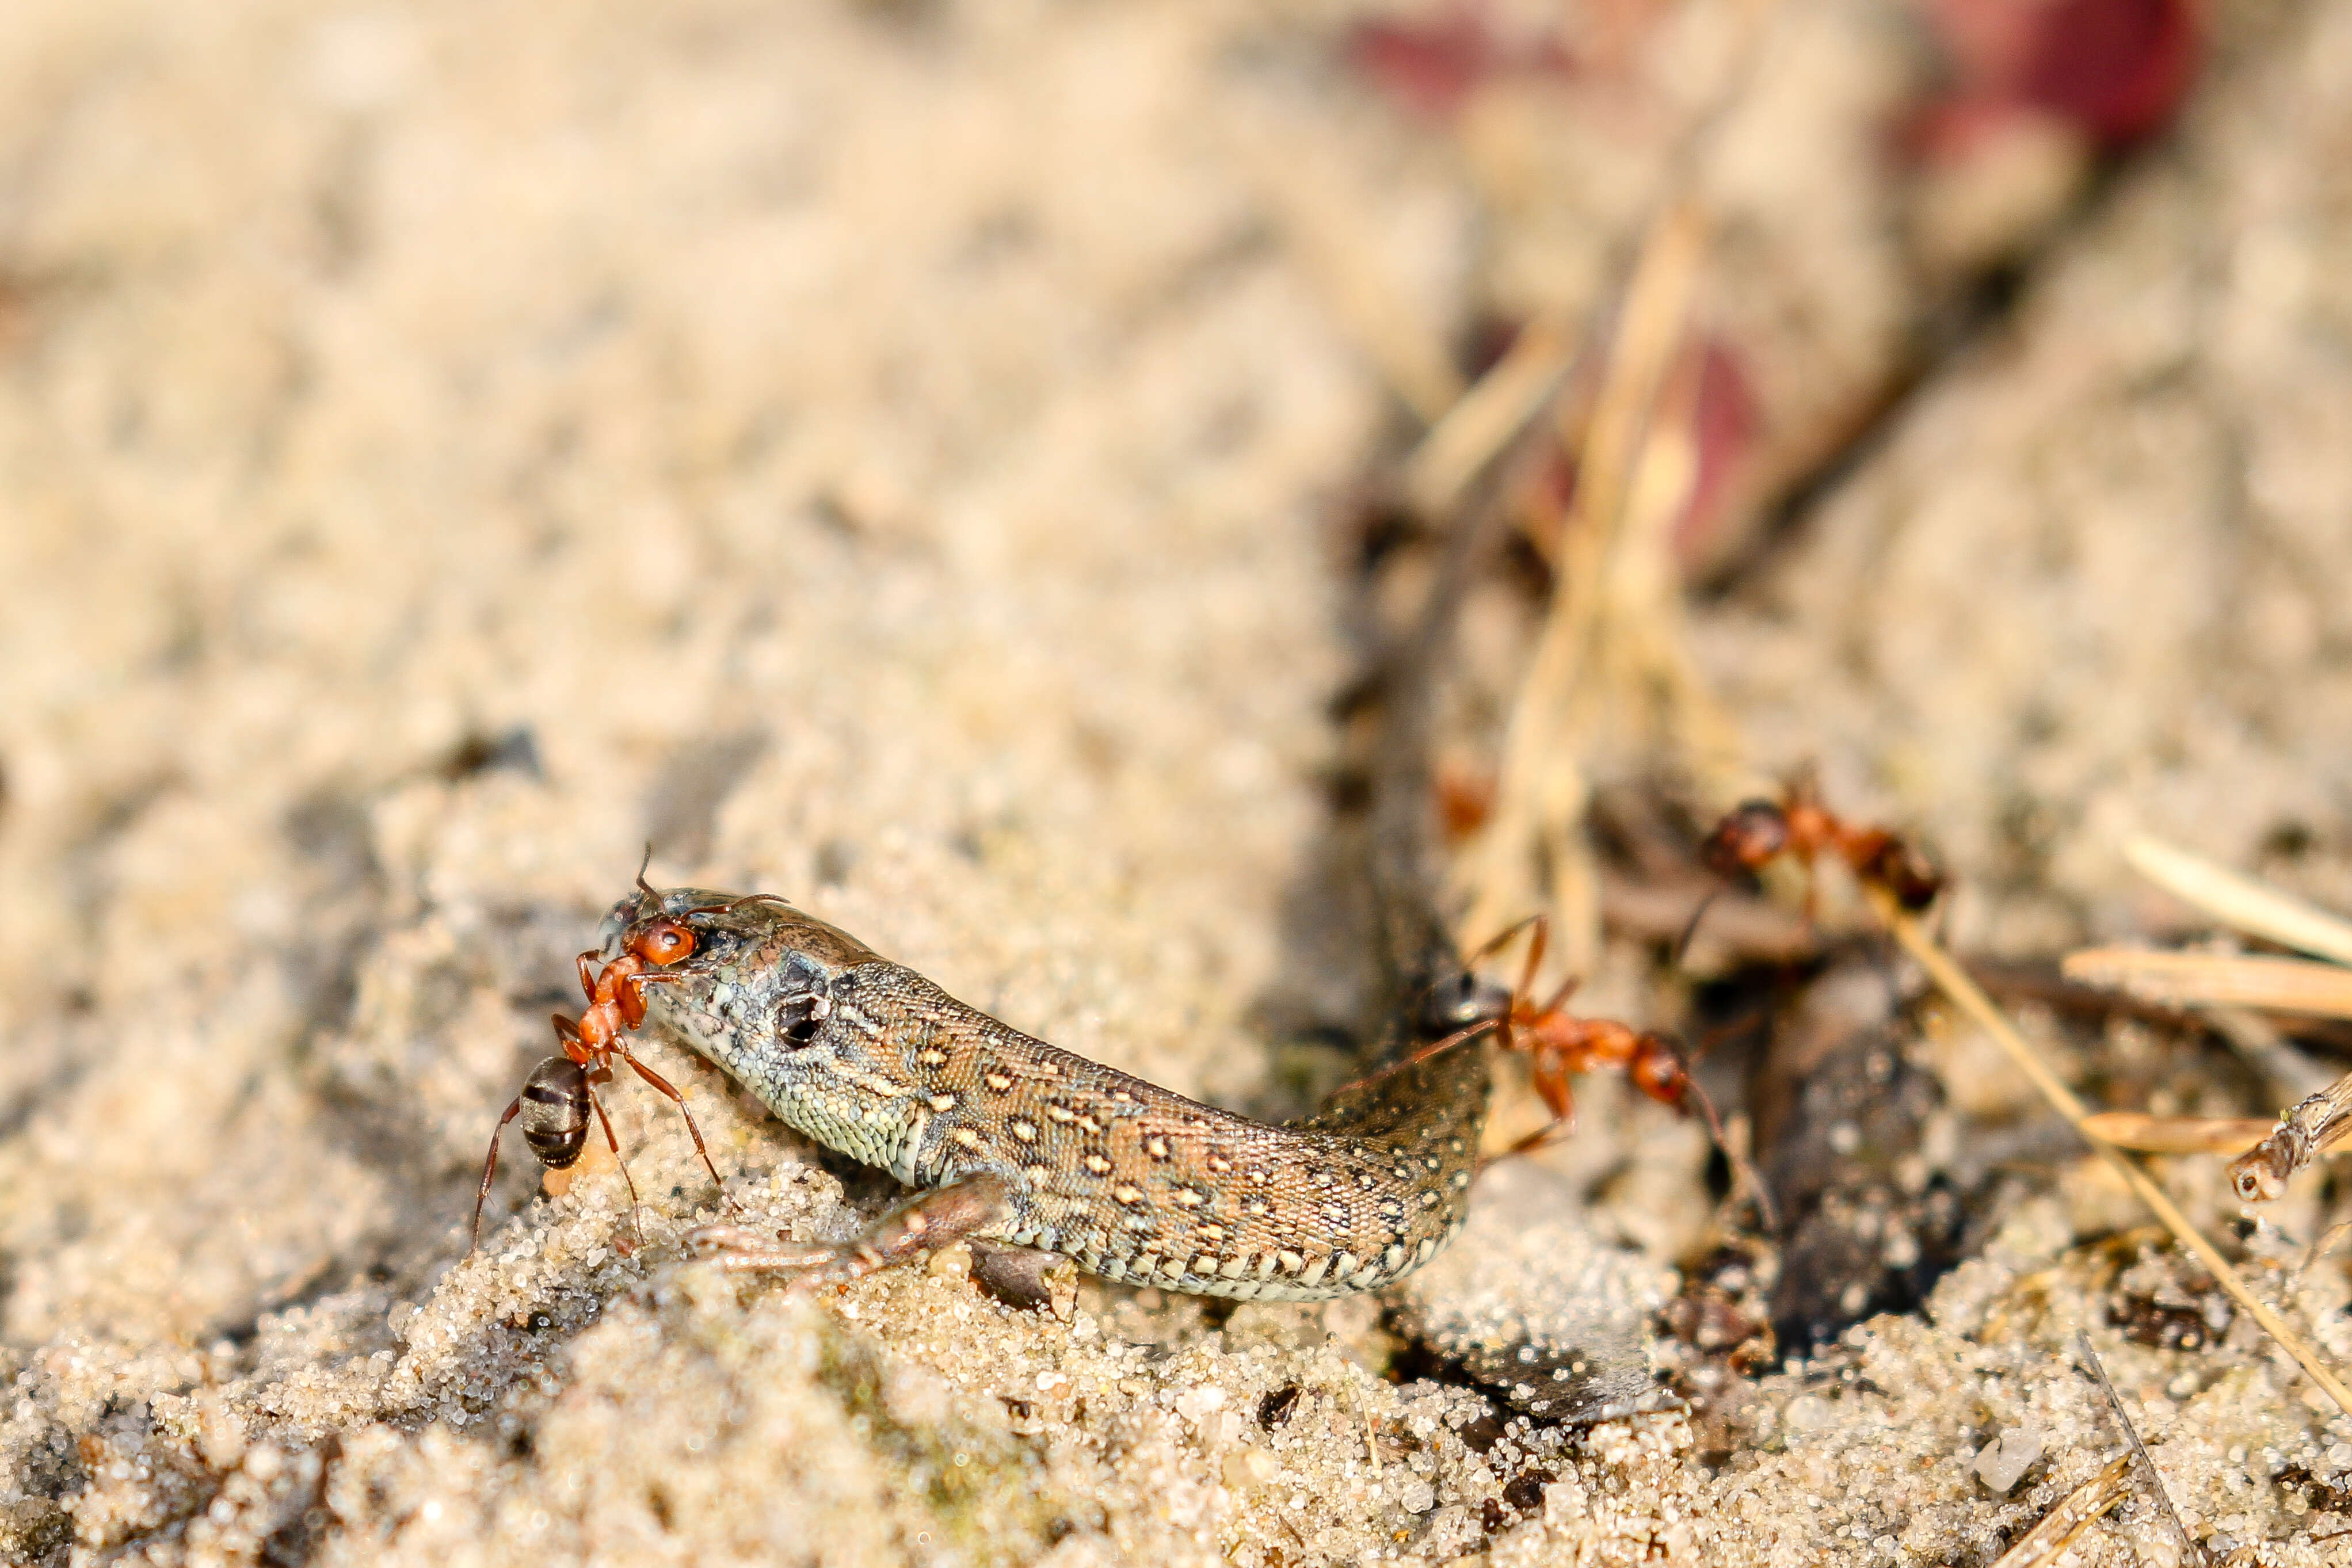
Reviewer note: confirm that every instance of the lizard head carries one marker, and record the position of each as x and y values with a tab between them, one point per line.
772	995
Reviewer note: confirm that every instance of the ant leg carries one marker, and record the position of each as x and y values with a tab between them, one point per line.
1742	1168
1436	1048
491	1169
1550	1083
1690	930
568	1035
1502	939
633	993
587	974
1502	1026
664	1086
614	1145
1535	959
1550	1133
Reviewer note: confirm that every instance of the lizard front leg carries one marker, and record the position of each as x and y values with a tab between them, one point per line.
924	1224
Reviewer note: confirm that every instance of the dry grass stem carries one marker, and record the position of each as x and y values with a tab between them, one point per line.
2043	1544
2224	982
2140	1450
2210	979
2146	1134
1612	673
1542	793
1955	983
2239	902
1488	417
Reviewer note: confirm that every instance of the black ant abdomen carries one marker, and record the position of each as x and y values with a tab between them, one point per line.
554	1104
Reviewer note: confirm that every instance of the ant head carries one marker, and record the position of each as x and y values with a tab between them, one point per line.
1658	1072
645	904
1751	833
660	941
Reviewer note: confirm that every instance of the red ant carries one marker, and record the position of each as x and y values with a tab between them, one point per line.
551	1103
1560	1045
1754	832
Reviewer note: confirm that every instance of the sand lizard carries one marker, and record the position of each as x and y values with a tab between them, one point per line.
1015	1141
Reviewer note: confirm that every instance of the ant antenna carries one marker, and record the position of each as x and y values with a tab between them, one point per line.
1690	929
642	885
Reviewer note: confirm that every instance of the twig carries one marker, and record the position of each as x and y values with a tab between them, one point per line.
1955	983
2155	1478
2186	979
2148	1135
2041	1545
2318	1248
2304	1133
2241	902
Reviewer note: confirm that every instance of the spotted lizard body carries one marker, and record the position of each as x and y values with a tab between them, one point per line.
1015	1141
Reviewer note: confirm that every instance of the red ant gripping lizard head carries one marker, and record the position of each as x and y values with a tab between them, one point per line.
1560	1045
562	1090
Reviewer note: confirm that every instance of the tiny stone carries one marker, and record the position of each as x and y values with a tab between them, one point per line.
1807	1413
2009	1456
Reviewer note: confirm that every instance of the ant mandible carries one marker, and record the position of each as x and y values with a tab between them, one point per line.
1754	832
562	1090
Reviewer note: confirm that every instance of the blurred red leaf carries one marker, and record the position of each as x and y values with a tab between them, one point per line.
2116	69
1724	423
1432	67
2119	69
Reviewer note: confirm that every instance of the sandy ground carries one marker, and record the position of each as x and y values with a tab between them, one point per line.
890	454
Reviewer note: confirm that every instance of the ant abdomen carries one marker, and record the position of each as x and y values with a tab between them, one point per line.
555	1112
1903	871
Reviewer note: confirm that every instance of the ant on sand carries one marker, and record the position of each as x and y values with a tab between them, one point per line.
562	1090
1754	833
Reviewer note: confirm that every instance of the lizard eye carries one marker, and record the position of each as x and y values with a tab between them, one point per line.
800	1015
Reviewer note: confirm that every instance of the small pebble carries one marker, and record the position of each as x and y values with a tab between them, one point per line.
2009	1456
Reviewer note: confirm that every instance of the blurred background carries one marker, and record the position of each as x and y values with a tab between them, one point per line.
950	463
